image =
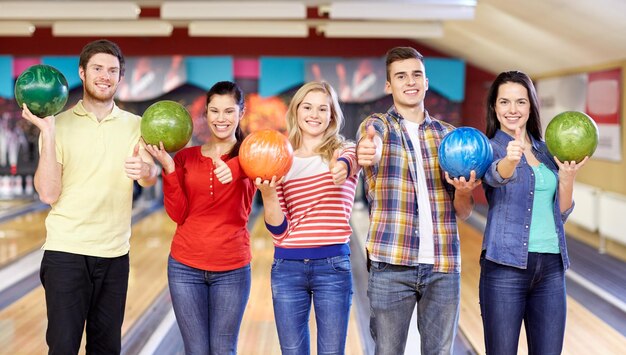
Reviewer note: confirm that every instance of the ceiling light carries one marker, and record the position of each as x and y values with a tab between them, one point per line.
16	28
150	28
192	10
413	30
248	29
424	10
68	10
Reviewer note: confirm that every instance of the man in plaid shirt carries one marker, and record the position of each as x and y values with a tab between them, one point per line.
413	244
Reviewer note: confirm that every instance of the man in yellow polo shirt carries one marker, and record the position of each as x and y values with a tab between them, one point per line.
89	157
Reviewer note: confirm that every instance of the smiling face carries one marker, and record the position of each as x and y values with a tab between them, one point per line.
314	114
512	107
223	116
100	77
407	83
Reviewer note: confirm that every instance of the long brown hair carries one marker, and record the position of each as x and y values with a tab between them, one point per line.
332	140
232	89
533	126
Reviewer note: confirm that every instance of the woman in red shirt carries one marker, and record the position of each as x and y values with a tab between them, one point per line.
207	194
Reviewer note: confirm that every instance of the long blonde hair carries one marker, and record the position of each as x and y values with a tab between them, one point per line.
332	140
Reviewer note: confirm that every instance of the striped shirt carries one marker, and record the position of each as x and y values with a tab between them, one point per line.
317	212
391	186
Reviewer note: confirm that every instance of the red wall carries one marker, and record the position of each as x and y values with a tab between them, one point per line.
43	42
477	83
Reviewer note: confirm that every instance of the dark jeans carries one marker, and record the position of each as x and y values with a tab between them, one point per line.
536	295
83	288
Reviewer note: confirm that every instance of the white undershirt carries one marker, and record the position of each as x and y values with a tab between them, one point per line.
427	245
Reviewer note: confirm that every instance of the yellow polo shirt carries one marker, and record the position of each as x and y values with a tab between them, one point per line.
92	215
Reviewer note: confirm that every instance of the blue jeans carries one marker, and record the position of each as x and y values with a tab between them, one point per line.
394	290
536	295
79	289
208	306
325	282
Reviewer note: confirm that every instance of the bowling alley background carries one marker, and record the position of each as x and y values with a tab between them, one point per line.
356	70
185	79
576	55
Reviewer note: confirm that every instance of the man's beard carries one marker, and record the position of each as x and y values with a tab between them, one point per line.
95	95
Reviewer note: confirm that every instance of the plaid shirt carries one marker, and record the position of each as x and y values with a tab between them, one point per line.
391	185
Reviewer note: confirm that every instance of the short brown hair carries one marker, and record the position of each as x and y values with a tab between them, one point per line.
401	53
101	46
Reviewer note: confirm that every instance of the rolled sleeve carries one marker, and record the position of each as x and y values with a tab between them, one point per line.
565	215
493	177
375	121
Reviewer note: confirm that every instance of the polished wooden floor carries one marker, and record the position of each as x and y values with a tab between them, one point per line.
22	234
258	331
22	324
584	334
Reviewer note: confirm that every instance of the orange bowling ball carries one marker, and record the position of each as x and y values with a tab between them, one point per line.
266	153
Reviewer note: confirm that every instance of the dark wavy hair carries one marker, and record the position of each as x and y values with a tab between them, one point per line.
232	89
533	126
101	46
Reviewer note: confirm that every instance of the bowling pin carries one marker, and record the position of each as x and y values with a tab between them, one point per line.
3	143
18	188
28	188
5	186
13	145
158	188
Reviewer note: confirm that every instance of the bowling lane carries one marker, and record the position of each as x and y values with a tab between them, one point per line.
7	205
21	235
258	331
25	232
585	333
22	324
150	246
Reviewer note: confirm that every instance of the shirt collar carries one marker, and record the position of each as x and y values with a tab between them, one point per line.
398	117
80	110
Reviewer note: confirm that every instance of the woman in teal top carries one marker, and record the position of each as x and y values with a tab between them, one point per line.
543	237
524	254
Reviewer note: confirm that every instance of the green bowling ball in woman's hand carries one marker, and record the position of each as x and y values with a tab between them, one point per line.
571	136
168	122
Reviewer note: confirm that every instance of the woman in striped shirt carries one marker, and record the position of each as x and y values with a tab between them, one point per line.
308	212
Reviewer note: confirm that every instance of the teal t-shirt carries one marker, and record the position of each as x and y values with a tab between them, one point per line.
543	237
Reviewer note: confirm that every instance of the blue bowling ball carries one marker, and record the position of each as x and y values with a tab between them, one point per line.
463	150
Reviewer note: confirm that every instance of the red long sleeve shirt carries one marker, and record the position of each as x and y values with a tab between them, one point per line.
211	216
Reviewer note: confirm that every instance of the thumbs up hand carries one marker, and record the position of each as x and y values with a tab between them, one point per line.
135	167
368	150
338	169
514	152
222	171
515	148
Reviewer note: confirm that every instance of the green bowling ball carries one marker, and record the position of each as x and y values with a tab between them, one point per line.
43	89
571	136
168	122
